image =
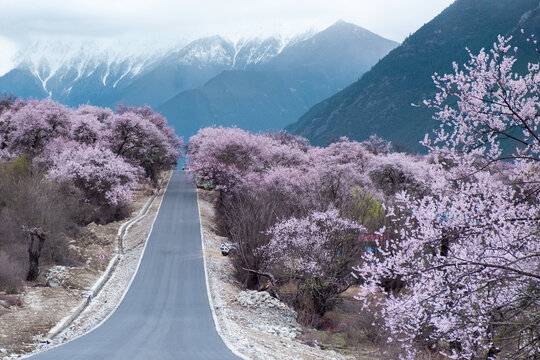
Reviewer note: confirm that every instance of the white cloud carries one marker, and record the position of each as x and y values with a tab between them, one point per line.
25	20
7	51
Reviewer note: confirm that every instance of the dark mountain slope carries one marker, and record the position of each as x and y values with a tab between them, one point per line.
251	100
380	102
343	51
184	69
159	85
22	83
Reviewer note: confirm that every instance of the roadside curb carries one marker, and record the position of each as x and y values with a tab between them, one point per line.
105	277
66	321
124	228
226	341
62	324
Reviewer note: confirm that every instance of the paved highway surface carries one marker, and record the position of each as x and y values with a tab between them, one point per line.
165	314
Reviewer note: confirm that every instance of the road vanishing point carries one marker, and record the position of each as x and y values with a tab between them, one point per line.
165	313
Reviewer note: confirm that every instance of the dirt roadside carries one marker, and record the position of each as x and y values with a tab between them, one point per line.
24	329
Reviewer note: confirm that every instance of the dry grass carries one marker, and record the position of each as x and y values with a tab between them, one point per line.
11	274
349	330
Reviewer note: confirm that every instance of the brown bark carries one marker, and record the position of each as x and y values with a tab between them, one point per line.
35	245
271	286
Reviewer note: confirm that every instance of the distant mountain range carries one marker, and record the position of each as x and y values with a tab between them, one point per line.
258	84
380	101
107	76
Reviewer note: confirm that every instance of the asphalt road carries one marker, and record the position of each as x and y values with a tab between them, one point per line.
165	314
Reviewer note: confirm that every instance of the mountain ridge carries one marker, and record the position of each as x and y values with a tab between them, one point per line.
256	83
380	102
61	68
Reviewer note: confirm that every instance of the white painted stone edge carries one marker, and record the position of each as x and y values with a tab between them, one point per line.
124	228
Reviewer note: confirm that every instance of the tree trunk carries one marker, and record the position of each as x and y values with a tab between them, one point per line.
252	281
35	244
272	284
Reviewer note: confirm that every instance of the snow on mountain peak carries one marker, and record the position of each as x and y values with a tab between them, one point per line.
60	65
66	63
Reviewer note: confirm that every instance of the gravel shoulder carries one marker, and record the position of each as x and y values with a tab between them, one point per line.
23	329
258	326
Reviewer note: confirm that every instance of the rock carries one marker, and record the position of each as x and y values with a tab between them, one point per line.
56	275
281	331
257	299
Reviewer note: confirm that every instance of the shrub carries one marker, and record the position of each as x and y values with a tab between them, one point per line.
10	300
243	217
319	251
11	274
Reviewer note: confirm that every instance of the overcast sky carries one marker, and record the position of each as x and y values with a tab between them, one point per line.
24	21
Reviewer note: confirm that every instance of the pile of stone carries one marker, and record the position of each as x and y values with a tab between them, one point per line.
280	320
282	331
252	298
56	275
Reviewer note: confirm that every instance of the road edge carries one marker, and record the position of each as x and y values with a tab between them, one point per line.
209	294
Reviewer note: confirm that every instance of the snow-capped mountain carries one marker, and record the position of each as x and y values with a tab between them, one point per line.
274	82
93	73
59	66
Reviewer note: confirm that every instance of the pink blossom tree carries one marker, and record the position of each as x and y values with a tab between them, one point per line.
155	118
30	126
143	144
48	131
267	177
289	186
105	178
318	250
494	106
377	145
6	101
469	251
393	173
225	156
6	129
87	129
103	115
336	169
